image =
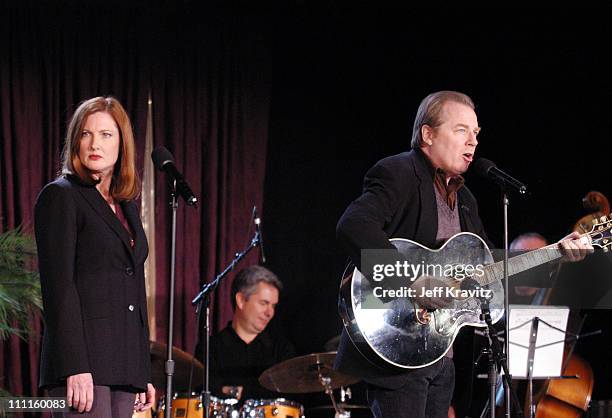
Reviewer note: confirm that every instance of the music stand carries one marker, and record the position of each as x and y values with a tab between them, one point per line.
536	352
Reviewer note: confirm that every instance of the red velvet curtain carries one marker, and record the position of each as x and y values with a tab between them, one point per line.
208	75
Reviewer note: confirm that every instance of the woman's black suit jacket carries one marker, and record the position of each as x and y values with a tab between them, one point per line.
93	288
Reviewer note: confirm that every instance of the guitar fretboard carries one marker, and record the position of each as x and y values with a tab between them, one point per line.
521	262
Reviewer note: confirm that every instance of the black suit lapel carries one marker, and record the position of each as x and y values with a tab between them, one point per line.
427	225
97	202
130	210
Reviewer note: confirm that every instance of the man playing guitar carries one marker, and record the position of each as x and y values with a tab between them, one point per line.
419	195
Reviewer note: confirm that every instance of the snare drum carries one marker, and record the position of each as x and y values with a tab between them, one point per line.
272	408
191	407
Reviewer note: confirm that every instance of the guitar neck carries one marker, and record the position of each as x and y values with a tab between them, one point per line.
522	262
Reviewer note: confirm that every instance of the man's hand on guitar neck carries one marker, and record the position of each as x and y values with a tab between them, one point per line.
426	296
575	247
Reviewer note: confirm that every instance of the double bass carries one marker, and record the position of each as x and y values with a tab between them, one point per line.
569	398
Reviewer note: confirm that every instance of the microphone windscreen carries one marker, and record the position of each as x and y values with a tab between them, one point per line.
160	156
482	166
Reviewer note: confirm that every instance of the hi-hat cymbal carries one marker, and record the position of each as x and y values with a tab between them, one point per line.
302	374
182	366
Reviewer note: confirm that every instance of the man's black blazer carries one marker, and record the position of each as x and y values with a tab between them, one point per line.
93	287
398	201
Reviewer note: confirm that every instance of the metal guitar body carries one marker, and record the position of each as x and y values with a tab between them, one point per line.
397	332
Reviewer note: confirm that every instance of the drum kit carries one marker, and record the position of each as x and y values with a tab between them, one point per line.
306	374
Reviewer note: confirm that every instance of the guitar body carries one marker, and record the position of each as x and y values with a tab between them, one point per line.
401	333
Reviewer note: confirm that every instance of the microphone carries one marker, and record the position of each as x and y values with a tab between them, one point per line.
164	161
488	169
257	222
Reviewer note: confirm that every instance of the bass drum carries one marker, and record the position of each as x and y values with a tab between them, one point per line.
272	408
191	407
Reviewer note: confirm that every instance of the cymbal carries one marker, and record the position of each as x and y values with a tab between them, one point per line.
182	366
301	374
340	405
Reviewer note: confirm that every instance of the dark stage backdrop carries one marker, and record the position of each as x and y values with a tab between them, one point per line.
332	90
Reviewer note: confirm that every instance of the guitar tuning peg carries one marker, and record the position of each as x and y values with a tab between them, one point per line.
594	220
603	218
606	249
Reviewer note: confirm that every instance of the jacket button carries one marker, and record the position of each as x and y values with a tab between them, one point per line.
131	308
129	271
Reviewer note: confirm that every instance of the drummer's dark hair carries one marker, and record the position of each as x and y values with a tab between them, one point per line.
247	279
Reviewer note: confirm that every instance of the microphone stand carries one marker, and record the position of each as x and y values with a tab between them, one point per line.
506	184
498	361
498	357
169	366
507	376
203	300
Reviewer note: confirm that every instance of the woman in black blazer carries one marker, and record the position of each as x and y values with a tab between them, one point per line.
91	252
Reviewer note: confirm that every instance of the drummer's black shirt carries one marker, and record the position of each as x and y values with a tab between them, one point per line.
236	363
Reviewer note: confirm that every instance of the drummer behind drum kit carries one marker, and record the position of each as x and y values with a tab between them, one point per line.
306	374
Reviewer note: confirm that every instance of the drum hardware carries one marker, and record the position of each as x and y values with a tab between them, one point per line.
303	374
187	369
345	394
326	383
310	373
